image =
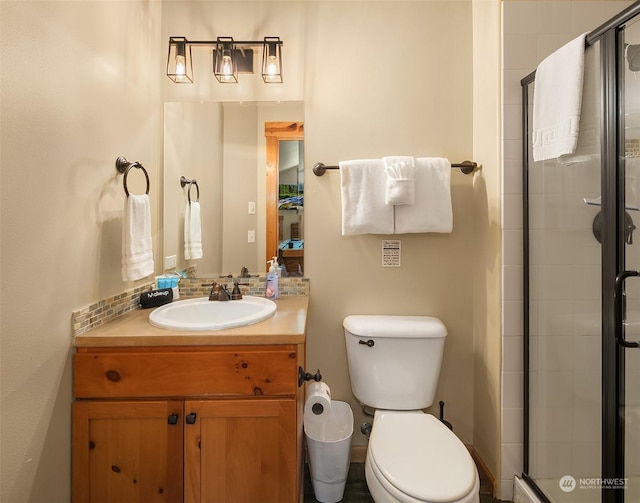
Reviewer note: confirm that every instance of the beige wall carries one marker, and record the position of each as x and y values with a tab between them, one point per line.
79	88
396	81
487	285
383	94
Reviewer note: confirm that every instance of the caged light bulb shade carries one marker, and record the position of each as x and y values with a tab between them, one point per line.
179	66
272	60
224	64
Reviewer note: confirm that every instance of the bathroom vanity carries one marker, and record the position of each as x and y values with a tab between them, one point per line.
171	416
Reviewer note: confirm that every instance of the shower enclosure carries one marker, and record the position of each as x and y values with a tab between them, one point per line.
581	286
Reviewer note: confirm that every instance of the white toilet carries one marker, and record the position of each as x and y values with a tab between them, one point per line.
394	364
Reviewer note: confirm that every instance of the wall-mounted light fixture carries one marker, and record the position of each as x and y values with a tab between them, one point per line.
230	58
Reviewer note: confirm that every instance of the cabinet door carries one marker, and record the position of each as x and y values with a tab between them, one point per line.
127	451
241	451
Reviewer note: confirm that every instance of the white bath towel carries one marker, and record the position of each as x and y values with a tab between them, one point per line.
432	210
400	181
363	186
192	231
557	100
137	250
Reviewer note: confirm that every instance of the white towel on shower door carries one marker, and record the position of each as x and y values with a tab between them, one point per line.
557	100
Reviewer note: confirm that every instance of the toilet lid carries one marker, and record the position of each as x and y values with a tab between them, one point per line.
421	457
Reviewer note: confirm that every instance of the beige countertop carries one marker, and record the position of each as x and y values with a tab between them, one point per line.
133	329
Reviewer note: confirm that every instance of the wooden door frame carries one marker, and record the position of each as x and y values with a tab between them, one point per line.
274	133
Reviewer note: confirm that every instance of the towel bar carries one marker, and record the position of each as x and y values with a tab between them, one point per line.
184	181
124	166
467	167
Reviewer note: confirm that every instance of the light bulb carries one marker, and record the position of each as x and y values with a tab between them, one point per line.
272	67
181	66
227	67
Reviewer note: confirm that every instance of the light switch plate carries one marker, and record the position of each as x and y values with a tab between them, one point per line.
170	262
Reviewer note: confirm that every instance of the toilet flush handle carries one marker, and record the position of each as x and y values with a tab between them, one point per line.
369	342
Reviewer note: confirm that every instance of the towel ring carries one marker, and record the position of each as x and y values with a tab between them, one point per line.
124	166
184	181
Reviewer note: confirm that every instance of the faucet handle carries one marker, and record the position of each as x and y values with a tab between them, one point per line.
236	294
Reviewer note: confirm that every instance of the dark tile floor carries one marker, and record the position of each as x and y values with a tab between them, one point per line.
356	489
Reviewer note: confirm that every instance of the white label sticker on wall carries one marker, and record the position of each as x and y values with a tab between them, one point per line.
390	253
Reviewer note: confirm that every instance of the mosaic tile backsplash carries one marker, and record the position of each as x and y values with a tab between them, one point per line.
105	310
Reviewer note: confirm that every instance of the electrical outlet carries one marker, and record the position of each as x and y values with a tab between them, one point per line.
251	236
170	262
252	207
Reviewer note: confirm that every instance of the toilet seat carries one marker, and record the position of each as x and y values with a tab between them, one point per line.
418	459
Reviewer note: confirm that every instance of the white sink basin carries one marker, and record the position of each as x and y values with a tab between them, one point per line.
203	314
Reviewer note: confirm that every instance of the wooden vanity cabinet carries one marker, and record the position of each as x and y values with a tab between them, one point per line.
199	424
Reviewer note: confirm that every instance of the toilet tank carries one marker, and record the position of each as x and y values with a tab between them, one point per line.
394	361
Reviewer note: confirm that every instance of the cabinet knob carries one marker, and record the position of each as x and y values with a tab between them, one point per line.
173	418
191	418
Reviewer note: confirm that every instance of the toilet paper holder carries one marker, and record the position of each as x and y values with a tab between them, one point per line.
306	376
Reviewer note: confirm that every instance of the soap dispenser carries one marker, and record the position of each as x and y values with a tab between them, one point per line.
272	279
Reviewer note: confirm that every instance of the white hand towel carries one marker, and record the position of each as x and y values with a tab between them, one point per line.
137	251
400	181
192	231
363	186
431	211
557	100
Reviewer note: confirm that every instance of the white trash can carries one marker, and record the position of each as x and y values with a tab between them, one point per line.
329	445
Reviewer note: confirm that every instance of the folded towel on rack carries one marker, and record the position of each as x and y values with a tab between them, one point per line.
557	100
192	231
431	210
137	251
363	186
400	187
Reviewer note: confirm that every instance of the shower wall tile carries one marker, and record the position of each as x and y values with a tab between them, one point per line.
512	149
588	15
512	212
512	122
520	17
512	319
512	354
548	44
553	17
511	460
512	176
512	282
512	390
554	425
512	426
512	247
512	90
520	52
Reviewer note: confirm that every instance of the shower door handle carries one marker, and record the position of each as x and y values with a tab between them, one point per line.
619	308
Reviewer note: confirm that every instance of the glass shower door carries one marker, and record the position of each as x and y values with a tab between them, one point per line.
565	310
630	361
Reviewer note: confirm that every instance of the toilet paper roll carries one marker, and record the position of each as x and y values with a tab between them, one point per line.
318	403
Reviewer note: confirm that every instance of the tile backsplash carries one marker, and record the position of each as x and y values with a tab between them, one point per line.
105	310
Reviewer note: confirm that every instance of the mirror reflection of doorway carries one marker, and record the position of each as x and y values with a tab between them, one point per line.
285	195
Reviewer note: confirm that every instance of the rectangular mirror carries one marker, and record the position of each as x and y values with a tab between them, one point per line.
223	146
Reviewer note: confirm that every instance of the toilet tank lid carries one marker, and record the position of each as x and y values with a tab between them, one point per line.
410	327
